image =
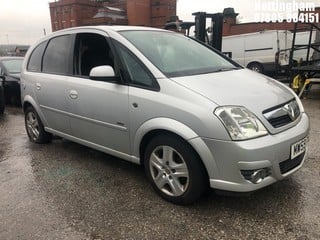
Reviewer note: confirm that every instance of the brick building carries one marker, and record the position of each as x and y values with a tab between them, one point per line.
72	13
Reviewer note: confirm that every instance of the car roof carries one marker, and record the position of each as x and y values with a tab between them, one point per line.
11	58
115	28
106	28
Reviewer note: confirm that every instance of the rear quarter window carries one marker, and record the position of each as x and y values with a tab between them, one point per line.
35	60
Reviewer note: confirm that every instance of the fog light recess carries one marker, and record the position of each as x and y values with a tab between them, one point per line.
256	176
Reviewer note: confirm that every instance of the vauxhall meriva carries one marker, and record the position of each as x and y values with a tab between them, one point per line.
192	117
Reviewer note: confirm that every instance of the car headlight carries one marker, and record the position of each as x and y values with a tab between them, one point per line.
240	122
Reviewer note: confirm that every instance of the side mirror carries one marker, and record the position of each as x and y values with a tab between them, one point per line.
103	73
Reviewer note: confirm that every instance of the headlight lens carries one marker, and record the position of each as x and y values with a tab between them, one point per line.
240	122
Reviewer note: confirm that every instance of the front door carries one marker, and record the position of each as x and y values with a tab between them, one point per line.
99	109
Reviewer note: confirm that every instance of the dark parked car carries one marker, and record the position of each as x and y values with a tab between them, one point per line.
1	96
10	68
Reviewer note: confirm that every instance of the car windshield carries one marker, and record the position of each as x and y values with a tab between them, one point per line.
176	55
13	65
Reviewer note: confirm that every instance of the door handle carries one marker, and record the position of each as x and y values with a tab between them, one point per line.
38	86
73	94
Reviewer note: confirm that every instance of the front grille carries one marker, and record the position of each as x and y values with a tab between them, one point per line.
280	121
290	164
283	114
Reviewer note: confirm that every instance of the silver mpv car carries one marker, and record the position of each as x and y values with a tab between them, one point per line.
192	117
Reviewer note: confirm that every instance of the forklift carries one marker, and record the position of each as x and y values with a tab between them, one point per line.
211	35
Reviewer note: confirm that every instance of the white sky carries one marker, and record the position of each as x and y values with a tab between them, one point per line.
24	21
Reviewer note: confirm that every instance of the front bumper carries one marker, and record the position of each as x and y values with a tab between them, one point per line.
270	152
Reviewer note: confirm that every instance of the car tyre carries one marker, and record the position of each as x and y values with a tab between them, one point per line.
257	67
34	127
174	170
2	100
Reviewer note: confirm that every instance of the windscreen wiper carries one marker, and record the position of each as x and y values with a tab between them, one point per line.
226	69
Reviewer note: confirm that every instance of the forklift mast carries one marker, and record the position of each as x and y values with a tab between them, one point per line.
216	27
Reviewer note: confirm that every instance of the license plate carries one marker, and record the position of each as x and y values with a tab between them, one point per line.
298	148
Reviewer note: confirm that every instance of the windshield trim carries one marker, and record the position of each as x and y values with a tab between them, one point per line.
199	72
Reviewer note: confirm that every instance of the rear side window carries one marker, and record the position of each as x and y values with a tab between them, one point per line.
56	58
35	60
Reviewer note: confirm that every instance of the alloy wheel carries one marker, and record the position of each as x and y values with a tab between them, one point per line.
169	171
32	125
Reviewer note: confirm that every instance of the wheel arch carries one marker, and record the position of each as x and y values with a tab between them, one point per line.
150	135
159	126
255	62
28	101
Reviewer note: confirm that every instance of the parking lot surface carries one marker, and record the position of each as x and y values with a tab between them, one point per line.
63	190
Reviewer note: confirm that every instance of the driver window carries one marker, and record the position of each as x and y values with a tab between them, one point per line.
92	50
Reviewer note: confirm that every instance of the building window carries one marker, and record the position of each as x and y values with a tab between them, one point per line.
66	10
56	26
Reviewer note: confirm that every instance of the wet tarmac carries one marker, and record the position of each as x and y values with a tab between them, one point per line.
63	190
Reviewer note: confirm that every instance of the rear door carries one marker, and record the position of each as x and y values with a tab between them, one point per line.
50	86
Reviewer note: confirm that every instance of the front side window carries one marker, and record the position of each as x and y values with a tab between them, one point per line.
13	66
176	55
137	73
56	58
92	50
